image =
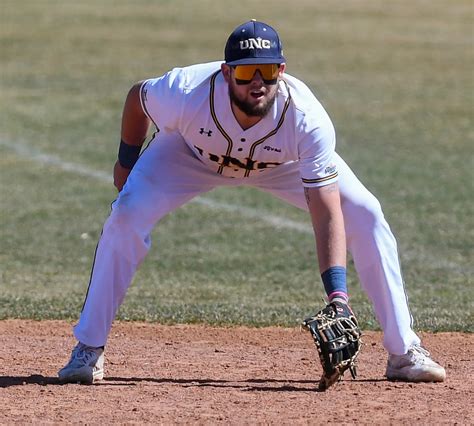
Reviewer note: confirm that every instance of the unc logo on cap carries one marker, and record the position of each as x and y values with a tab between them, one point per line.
255	43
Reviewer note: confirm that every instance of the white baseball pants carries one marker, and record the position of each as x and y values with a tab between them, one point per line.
167	175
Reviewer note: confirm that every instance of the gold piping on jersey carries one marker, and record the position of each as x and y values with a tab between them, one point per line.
280	122
318	180
143	99
228	138
214	117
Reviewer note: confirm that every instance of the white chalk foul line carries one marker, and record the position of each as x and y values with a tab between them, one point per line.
276	221
79	169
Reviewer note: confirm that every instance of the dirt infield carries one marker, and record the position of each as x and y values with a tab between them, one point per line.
207	375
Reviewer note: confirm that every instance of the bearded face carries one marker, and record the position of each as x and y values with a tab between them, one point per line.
255	97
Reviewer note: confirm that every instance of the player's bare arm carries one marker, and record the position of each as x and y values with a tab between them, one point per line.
326	215
135	125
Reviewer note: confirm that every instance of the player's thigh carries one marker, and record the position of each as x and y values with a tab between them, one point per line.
352	191
166	176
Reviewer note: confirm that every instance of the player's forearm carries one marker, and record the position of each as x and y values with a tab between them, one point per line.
331	245
328	224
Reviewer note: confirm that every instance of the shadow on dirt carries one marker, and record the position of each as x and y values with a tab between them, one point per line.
251	385
268	385
35	379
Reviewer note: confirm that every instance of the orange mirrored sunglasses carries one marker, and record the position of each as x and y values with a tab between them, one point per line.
245	73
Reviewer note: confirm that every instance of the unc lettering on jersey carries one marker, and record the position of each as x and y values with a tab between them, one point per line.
228	161
255	43
207	132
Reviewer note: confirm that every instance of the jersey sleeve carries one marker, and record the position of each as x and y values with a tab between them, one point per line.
162	97
316	151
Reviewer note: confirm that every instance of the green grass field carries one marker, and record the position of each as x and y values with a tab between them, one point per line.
397	79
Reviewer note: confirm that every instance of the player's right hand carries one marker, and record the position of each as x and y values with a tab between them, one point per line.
120	175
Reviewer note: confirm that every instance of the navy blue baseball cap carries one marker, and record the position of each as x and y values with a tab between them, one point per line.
254	42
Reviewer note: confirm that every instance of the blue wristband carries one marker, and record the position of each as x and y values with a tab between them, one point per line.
128	154
334	280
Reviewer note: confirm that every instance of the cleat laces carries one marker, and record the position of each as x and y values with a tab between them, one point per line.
419	354
82	354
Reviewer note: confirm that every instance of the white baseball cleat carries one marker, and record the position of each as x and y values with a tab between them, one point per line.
415	366
85	366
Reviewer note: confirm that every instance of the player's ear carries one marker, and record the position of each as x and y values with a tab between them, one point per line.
225	72
282	68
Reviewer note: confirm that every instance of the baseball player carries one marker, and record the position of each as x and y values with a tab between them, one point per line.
244	121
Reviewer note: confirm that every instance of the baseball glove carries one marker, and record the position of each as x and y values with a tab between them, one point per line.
336	335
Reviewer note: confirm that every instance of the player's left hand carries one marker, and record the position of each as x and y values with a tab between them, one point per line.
120	175
336	335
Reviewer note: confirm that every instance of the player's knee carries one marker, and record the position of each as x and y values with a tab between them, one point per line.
363	216
124	213
125	231
372	210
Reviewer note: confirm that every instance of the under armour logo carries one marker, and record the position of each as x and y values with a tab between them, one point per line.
207	132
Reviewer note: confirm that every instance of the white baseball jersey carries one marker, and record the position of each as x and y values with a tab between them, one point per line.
194	101
201	147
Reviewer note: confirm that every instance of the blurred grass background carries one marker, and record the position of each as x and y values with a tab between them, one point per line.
396	78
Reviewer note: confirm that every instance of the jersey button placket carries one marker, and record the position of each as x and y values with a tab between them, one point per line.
240	149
